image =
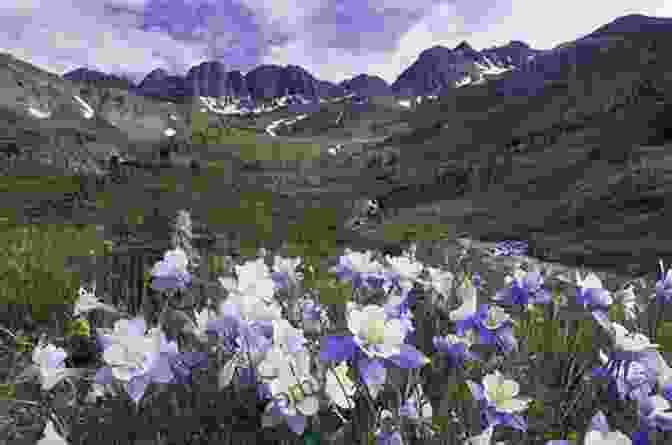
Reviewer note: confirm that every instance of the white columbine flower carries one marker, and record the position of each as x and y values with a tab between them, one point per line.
87	302
468	295
337	382
252	292
408	269
496	317
50	361
294	384
501	393
595	437
439	280
377	336
131	349
627	342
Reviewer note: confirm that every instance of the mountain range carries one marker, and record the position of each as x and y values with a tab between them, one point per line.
436	70
566	148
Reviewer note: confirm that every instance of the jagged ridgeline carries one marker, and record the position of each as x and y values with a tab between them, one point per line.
36	282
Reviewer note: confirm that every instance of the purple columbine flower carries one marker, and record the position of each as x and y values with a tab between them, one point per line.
456	350
136	358
627	379
171	272
510	248
654	413
376	341
664	285
493	326
525	288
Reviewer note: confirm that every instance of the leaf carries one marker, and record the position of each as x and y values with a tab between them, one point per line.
7	391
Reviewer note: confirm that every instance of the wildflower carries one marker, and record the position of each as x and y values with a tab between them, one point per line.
501	405
284	271
379	339
524	288
599	433
49	361
511	248
455	348
171	272
136	358
654	412
293	389
339	387
664	285
591	292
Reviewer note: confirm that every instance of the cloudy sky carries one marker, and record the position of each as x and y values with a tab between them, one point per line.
333	39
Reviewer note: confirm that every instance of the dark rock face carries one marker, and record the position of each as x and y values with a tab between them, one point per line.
268	81
210	79
159	84
366	85
329	90
438	68
100	78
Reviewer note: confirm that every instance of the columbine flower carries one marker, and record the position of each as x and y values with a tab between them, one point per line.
397	307
631	366
468	295
378	339
494	326
405	270
654	412
171	272
664	285
87	302
251	295
599	433
312	316
50	361
284	271
359	268
294	389
440	281
510	248
409	408
136	358
456	349
591	292
339	387
500	403
524	288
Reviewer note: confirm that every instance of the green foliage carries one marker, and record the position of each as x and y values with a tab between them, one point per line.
459	391
33	260
311	438
314	235
617	313
7	391
331	290
250	147
395	232
77	328
40	184
23	344
440	423
545	335
664	335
